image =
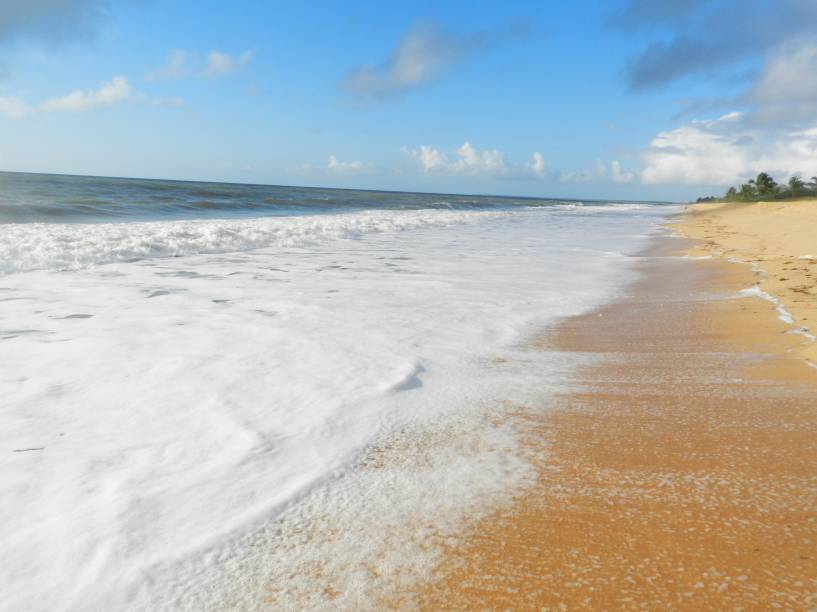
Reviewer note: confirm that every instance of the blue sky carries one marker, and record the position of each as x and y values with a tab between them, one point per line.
640	99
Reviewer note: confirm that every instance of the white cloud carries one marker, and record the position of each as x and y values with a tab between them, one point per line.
178	64
112	92
538	164
475	161
13	108
470	161
792	153
335	165
430	159
115	91
220	64
727	151
700	153
620	176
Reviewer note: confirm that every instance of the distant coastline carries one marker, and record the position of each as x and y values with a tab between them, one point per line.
765	187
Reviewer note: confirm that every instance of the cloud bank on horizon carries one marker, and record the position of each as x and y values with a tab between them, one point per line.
735	81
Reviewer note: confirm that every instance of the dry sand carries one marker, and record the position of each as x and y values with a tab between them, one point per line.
778	238
681	472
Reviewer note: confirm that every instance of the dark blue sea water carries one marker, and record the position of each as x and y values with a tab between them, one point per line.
51	198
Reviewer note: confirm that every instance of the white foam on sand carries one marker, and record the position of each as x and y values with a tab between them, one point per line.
755	291
782	314
187	432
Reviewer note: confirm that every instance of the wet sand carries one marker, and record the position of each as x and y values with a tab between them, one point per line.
679	473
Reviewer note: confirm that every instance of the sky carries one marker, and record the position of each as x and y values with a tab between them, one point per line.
626	99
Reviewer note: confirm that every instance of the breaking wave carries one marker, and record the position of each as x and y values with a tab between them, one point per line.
61	246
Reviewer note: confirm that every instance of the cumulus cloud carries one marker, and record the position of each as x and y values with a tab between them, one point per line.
112	92
430	159
13	108
336	166
422	56
178	64
470	161
727	151
220	63
49	21
621	176
612	171
115	91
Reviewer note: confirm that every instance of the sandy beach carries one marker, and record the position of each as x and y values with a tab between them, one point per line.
682	471
416	306
777	239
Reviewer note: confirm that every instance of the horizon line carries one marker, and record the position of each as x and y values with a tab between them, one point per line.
399	191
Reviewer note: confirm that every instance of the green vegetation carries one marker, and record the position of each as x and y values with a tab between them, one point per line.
764	187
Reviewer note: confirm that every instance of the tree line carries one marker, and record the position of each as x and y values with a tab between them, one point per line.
764	187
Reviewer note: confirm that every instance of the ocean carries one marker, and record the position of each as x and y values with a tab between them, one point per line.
197	380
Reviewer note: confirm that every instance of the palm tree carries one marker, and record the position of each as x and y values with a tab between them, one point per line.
796	185
747	192
765	184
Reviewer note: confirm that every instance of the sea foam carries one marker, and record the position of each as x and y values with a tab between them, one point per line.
70	246
195	430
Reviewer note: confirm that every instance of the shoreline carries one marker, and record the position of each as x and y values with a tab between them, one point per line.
291	405
681	474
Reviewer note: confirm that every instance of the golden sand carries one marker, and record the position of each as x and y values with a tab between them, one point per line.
780	238
682	471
